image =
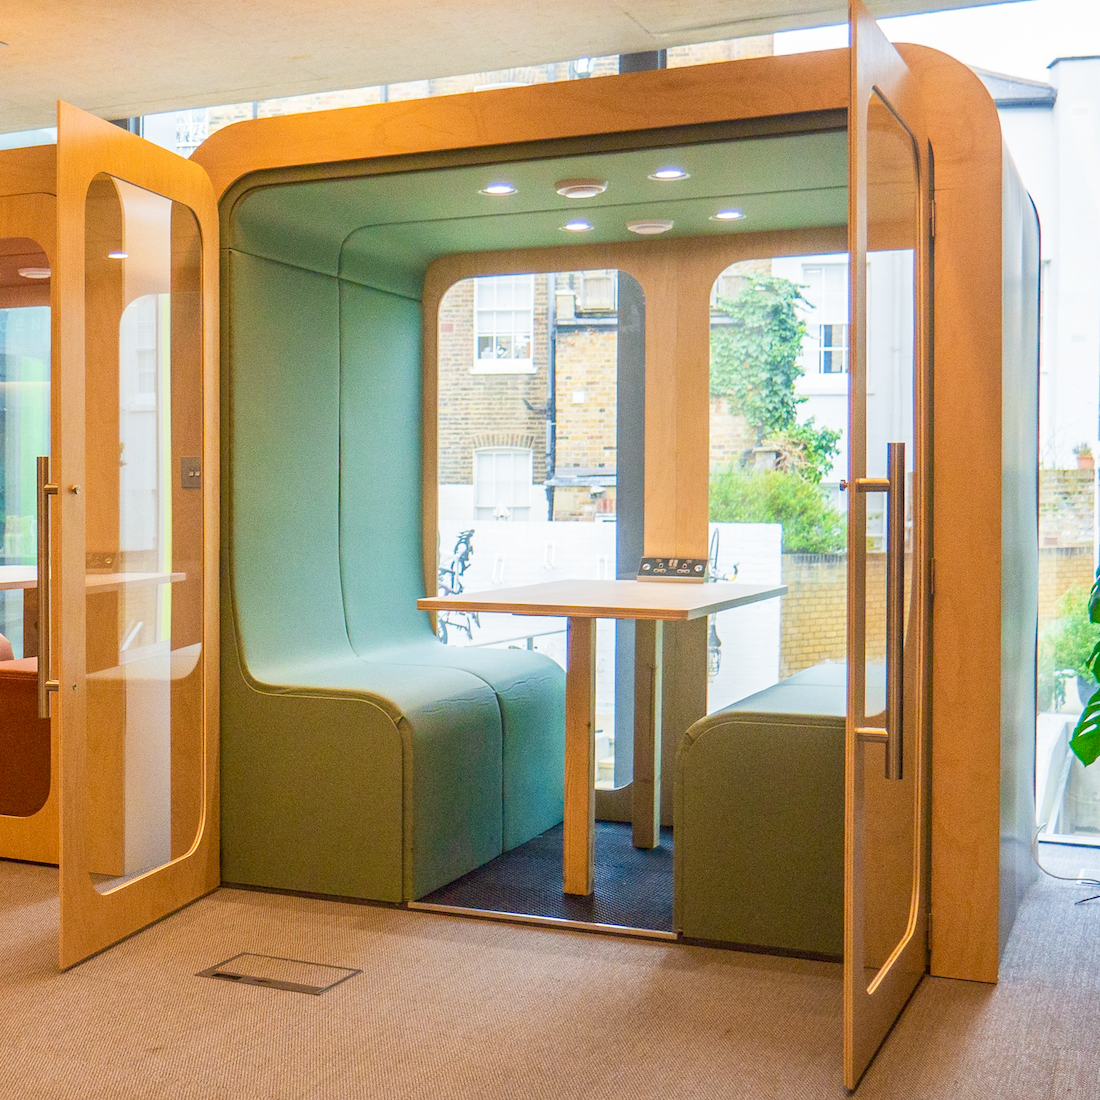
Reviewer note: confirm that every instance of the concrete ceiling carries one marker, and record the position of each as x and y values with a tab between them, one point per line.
119	58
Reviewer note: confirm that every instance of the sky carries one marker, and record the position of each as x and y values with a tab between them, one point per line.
1018	39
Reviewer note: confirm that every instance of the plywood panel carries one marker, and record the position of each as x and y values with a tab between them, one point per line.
966	609
90	920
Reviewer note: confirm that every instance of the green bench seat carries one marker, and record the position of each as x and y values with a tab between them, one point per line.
759	819
360	756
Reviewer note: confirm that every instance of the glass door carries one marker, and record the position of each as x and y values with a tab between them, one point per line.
886	868
134	480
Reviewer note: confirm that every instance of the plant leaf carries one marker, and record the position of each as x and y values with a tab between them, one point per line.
1094	600
1085	741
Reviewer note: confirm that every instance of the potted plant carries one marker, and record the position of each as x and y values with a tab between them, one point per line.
1085	740
1084	456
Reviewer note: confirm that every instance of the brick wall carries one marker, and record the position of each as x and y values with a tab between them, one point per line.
1066	499
586	368
729	435
486	410
1060	569
814	623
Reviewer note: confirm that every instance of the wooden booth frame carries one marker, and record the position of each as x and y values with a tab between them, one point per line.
979	842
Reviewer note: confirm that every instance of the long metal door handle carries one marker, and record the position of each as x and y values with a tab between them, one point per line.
45	491
895	607
894	487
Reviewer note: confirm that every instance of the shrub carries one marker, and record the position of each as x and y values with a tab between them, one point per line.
811	525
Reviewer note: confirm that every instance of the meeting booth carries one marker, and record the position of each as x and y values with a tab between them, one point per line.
261	615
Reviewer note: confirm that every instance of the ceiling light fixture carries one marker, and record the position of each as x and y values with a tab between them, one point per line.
118	254
578	225
580	188
727	216
499	187
669	173
34	272
650	226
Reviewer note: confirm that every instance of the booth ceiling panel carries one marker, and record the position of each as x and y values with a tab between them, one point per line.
119	58
386	229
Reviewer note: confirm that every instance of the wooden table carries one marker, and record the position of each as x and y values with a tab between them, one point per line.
582	602
25	577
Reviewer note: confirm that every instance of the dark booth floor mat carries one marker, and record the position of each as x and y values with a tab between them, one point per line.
633	885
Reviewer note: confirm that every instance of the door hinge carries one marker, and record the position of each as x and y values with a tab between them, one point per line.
932	219
932	579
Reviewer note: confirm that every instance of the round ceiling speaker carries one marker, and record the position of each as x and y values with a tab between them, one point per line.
650	226
580	188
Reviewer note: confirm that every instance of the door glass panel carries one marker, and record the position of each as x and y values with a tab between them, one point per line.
143	529
778	421
892	228
24	434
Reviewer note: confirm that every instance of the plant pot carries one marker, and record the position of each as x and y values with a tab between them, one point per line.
1085	462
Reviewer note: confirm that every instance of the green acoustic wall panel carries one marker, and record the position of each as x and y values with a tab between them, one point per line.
380	544
339	774
380	469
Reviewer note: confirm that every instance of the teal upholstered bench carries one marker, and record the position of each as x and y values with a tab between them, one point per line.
759	819
360	757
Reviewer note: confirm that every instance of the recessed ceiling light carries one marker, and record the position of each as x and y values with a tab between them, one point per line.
35	272
499	187
727	216
580	188
118	254
578	225
669	173
650	226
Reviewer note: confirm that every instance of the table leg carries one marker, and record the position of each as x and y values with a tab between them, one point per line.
646	786
579	855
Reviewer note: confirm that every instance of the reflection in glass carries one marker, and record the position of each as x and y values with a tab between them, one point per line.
24	434
143	529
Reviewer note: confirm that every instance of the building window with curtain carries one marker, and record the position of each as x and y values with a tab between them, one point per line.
504	324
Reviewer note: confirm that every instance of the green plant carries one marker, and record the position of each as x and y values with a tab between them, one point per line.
1085	741
1082	449
811	525
754	364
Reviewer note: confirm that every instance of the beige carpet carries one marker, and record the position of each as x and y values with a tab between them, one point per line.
447	1007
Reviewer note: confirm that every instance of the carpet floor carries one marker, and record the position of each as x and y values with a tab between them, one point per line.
454	1008
633	885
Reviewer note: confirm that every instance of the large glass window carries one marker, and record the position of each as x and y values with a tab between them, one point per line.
528	479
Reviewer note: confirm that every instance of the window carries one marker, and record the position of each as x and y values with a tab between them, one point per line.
598	291
504	323
502	483
826	343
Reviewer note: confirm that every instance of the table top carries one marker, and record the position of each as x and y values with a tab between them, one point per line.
18	576
588	599
26	576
